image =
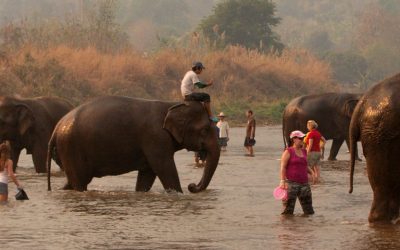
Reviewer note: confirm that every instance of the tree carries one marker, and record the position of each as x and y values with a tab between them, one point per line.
348	67
319	42
243	22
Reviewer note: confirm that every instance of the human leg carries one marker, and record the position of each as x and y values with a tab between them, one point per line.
251	151
207	105
205	99
305	198
3	191
290	202
313	159
197	159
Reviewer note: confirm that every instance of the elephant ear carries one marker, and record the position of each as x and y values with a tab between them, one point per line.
349	107
175	121
25	118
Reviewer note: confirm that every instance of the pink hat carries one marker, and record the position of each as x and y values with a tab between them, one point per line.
296	133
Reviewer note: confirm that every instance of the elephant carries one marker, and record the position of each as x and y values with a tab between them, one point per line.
113	135
28	123
332	112
376	123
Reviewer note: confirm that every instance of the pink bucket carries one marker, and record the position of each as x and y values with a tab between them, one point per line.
280	193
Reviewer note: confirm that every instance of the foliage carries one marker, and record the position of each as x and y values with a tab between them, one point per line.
243	78
98	30
347	67
319	42
243	22
359	38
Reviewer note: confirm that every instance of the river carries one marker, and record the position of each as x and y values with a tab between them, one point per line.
237	211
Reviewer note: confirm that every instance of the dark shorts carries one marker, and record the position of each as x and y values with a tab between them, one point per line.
249	142
223	142
199	97
301	191
3	188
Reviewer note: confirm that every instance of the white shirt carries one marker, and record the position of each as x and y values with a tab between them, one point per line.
223	129
188	81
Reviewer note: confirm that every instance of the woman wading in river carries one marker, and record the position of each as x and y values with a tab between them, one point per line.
6	170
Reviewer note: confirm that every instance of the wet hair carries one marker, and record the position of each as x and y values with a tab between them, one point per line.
4	149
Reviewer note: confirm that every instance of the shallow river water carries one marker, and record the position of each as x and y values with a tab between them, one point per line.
237	211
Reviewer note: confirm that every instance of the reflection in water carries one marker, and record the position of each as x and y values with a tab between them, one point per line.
236	212
128	203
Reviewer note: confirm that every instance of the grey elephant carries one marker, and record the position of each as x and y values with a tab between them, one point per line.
114	135
332	112
376	123
28	123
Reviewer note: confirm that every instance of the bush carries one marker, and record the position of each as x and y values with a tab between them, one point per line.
243	78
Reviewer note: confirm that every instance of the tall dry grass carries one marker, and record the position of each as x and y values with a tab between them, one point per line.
241	77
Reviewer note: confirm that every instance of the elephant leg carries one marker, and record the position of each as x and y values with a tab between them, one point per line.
67	186
16	152
335	149
39	156
348	146
79	173
385	206
166	171
80	180
145	180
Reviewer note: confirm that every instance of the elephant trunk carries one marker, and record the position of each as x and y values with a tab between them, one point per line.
213	153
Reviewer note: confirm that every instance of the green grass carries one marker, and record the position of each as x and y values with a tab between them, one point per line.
265	112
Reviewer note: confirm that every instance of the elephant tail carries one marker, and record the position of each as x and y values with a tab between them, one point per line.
48	160
354	136
283	131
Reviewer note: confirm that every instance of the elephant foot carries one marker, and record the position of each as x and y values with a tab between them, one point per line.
79	188
67	186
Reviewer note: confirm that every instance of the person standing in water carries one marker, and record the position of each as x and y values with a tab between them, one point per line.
188	84
313	142
249	141
294	178
6	170
223	131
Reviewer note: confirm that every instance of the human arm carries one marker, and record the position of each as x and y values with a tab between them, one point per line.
227	130
11	173
284	161
309	145
253	129
201	85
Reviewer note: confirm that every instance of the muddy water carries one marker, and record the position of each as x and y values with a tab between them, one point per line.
236	212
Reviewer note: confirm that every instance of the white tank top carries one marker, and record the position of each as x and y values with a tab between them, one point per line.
4	176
